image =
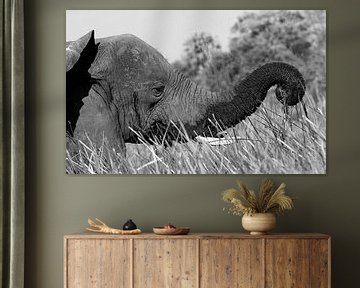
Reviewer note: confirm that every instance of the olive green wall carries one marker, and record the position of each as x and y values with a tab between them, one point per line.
57	204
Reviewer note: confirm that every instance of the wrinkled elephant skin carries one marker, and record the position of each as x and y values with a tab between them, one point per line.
121	83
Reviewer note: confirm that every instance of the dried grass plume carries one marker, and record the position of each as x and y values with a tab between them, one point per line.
267	200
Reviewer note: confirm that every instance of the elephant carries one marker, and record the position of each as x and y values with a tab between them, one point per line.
120	84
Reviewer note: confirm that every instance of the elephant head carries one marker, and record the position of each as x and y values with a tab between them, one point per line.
122	83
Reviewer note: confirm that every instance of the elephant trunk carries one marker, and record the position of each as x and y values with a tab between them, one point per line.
230	107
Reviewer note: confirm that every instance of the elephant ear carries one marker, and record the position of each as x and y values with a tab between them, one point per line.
80	55
84	47
88	113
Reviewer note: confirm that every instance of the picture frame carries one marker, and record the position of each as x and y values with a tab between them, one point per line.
251	99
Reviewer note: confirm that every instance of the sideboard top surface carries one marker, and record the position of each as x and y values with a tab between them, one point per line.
87	235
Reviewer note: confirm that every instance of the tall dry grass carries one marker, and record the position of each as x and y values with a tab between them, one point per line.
268	142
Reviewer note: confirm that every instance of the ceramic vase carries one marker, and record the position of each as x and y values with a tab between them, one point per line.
259	223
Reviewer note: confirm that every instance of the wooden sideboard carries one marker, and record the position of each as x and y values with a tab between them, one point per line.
197	260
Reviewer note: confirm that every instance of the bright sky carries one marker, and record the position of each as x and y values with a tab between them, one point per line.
165	30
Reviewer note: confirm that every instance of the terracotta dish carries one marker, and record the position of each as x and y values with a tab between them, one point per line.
171	231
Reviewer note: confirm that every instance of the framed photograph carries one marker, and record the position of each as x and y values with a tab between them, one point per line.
199	92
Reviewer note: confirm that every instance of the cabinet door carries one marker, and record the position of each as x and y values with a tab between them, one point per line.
98	263
320	263
165	263
231	263
287	263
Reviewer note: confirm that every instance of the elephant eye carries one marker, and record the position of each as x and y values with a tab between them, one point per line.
158	91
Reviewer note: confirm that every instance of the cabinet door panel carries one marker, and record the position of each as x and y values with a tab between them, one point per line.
287	263
231	263
165	263
319	263
98	263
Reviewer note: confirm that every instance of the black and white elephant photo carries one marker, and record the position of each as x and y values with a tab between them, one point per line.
257	107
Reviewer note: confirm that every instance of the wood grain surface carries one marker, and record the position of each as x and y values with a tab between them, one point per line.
319	263
197	260
89	235
287	263
228	263
165	263
98	263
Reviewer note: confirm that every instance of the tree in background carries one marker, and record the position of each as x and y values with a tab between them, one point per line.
295	37
199	50
206	63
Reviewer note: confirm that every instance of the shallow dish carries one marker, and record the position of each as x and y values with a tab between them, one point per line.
171	231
